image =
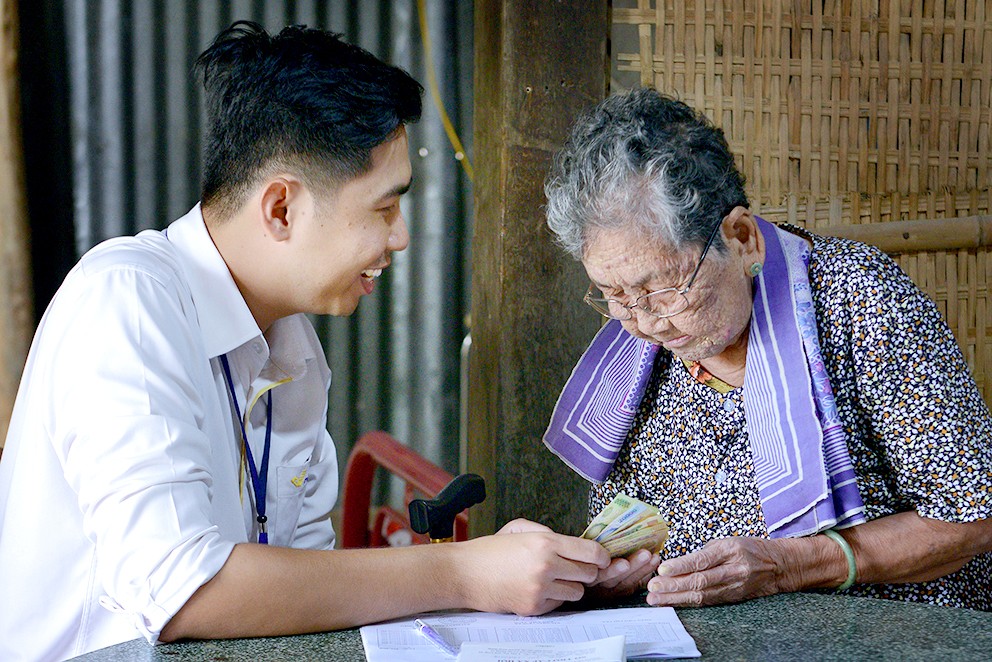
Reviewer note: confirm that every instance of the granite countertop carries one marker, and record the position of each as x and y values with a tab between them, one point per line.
804	627
789	627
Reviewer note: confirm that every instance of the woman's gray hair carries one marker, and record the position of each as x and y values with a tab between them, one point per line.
646	163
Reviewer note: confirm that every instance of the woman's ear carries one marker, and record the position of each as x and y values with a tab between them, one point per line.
743	237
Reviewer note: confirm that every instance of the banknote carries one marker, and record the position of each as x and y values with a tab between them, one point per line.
630	517
650	537
620	504
627	524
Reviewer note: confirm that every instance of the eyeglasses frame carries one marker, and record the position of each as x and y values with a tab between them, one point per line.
588	298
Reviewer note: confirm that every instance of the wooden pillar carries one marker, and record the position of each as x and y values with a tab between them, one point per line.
537	64
16	319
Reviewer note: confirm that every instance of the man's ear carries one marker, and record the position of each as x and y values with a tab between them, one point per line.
280	194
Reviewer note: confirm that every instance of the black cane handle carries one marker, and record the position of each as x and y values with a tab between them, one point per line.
436	517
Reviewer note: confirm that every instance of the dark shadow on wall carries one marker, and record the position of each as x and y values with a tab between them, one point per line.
47	145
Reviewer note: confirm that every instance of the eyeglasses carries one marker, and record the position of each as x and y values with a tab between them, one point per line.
661	303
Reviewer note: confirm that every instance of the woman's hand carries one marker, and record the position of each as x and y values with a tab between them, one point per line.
624	576
898	548
724	570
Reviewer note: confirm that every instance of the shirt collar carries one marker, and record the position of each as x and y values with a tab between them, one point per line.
288	351
224	316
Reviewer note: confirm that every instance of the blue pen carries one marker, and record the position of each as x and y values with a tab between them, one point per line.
435	638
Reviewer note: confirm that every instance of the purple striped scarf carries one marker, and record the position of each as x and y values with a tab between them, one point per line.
805	478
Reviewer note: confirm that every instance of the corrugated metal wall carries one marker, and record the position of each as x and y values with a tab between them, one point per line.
136	138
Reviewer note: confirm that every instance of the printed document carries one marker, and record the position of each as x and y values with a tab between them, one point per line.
650	632
600	650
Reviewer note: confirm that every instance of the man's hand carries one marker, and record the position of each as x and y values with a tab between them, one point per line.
527	569
621	578
521	525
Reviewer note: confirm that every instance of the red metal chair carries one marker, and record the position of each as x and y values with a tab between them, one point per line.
422	479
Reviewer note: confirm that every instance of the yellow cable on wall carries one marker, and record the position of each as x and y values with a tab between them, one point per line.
425	35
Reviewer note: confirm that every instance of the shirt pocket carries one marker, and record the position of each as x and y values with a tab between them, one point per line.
291	485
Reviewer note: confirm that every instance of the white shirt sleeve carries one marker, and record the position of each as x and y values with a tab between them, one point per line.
130	383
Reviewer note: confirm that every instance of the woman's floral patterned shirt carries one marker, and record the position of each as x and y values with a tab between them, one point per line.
919	433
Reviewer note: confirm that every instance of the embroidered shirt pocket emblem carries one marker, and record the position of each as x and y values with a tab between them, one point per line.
300	479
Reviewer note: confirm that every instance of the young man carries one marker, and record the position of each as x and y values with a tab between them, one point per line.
168	472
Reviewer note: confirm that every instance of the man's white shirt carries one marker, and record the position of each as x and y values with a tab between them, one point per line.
119	484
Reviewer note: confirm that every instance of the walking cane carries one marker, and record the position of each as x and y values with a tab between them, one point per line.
436	517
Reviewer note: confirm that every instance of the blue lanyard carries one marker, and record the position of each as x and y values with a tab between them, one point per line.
258	480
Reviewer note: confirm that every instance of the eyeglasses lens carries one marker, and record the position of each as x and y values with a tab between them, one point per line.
664	303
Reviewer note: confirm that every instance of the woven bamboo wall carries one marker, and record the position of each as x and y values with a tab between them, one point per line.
842	113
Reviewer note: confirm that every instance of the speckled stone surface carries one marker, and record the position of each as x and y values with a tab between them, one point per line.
782	627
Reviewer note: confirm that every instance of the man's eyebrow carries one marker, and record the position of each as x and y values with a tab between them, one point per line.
397	190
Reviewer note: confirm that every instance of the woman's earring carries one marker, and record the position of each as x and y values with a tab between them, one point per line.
755	269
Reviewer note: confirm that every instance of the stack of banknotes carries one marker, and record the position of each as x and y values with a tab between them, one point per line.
627	525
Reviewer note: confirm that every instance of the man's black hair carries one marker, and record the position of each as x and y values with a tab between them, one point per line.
302	99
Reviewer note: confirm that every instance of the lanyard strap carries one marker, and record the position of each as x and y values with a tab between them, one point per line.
259	480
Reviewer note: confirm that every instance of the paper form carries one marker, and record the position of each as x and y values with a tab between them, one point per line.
600	650
650	632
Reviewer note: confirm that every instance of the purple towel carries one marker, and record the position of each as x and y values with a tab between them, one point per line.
803	470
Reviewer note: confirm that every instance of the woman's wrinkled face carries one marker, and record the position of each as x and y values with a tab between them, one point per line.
624	266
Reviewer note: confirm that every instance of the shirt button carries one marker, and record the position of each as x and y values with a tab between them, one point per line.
721	476
258	348
729	405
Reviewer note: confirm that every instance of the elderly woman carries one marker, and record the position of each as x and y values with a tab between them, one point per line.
793	405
